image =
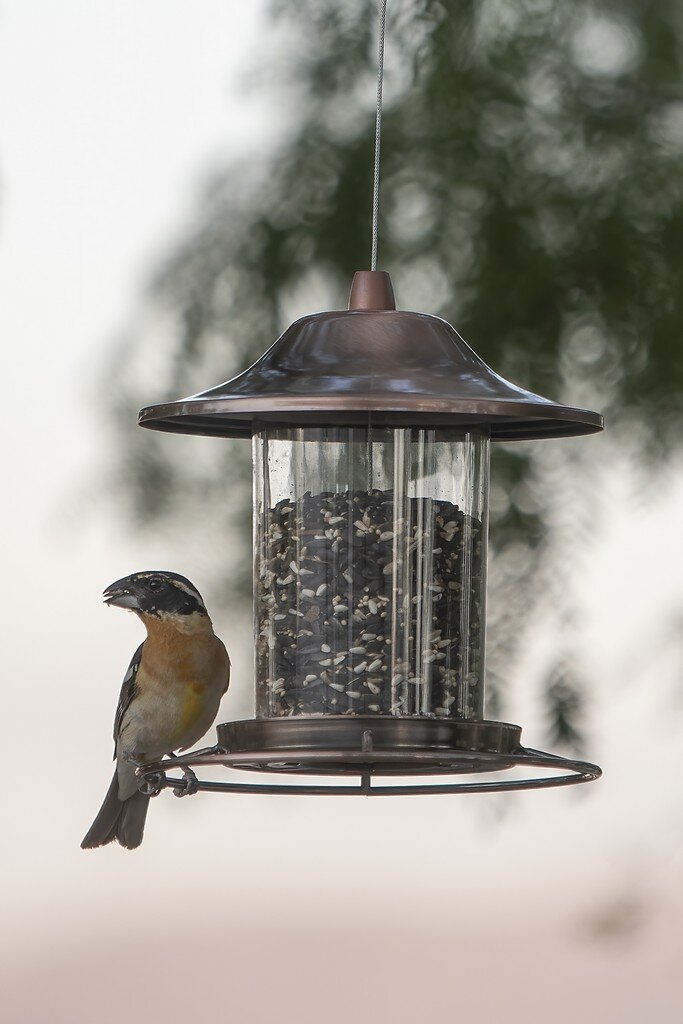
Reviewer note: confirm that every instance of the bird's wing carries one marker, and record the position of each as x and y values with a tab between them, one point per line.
128	690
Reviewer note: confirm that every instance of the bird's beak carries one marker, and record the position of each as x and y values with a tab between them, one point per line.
117	596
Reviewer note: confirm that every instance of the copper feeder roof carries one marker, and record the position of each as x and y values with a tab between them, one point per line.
402	368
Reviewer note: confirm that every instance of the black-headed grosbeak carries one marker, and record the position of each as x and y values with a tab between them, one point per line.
169	697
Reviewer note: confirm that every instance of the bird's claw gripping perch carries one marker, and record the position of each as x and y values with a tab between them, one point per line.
151	785
190	784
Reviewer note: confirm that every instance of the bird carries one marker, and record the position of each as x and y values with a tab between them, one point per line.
169	696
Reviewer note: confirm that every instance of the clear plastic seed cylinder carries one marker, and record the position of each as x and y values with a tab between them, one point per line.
370	571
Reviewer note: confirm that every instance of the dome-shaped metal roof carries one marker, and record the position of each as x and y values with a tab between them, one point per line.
370	363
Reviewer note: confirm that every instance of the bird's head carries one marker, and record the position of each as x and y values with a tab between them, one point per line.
157	595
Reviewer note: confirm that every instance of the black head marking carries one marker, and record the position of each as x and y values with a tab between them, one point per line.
156	592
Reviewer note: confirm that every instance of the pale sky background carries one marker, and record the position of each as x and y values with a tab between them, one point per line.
111	117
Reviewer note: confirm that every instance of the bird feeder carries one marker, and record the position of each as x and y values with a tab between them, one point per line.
371	429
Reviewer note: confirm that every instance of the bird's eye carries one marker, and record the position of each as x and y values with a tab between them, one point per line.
154	583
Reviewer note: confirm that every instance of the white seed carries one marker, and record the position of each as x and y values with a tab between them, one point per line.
321	590
326	662
326	648
387	535
341	608
279	617
309	679
368	636
347	576
372	605
453	585
395	680
336	519
338	661
356	650
352	693
293	611
442	712
293	566
388	569
337	686
373	707
373	688
447	701
444	643
360	668
427	658
284	582
373	666
308	593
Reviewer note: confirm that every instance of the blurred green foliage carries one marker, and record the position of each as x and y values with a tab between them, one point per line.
532	194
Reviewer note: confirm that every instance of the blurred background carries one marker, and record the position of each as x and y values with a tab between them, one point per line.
180	181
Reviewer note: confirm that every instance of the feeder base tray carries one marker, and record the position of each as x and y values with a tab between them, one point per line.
369	748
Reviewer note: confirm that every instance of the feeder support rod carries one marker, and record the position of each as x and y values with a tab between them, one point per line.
378	130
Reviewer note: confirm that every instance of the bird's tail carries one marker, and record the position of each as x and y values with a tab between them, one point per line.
123	820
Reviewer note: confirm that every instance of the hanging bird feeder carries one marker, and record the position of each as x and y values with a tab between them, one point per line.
371	430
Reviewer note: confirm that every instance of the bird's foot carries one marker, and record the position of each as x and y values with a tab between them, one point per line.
151	784
190	784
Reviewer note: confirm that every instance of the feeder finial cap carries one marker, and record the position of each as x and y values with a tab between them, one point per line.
371	290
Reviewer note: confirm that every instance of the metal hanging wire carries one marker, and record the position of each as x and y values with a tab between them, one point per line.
378	130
